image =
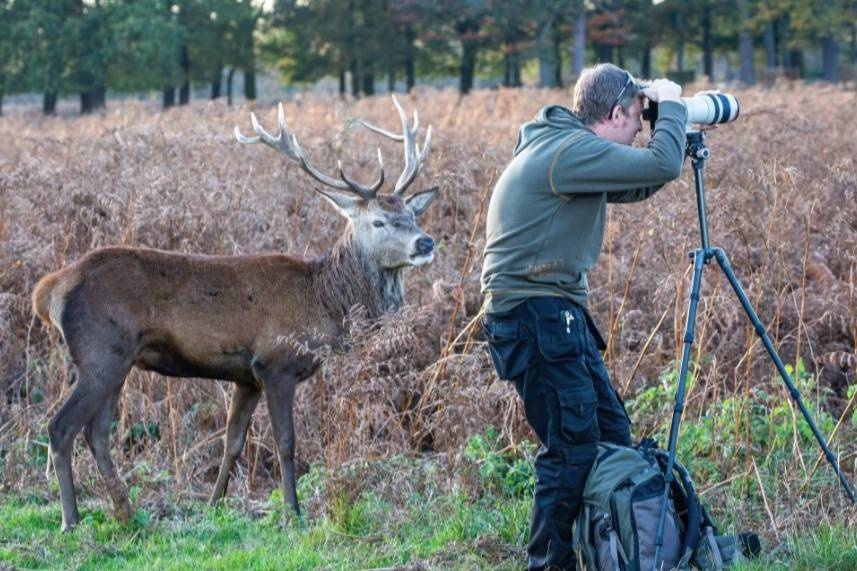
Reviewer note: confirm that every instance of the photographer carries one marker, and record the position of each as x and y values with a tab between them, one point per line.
545	229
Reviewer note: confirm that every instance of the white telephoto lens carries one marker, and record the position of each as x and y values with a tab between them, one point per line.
711	108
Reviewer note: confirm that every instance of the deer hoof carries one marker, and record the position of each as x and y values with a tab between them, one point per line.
68	526
123	512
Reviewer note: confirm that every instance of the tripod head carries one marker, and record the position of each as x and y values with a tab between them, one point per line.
695	146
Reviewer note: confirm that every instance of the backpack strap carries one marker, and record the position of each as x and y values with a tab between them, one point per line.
694	512
715	548
614	550
617	552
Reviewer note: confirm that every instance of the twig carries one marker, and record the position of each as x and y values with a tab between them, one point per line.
723	483
615	319
829	440
171	418
465	269
642	354
366	538
765	499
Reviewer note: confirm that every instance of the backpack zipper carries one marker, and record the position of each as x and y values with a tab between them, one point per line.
568	319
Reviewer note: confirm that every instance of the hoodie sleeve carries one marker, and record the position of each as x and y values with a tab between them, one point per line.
587	163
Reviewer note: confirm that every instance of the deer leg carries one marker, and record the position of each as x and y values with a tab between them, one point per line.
244	400
280	394
83	404
97	436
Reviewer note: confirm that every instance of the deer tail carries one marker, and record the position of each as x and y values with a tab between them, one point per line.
49	297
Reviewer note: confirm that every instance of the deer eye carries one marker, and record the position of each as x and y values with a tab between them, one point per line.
378	224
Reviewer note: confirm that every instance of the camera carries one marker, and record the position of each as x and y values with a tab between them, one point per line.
704	108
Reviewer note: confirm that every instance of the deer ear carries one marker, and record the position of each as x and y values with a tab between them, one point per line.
344	204
419	202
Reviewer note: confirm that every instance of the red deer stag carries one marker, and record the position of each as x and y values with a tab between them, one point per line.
252	320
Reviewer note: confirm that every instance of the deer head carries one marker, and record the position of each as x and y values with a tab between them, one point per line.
382	227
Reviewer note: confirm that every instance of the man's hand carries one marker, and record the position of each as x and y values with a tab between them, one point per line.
662	90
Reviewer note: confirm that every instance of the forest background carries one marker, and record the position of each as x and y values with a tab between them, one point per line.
88	48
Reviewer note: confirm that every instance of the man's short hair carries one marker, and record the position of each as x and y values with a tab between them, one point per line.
597	88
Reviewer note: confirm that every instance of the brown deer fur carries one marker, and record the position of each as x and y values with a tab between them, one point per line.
253	320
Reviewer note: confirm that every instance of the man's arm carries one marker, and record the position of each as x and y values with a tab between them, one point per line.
592	164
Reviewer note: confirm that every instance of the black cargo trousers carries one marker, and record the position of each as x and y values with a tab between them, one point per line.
549	347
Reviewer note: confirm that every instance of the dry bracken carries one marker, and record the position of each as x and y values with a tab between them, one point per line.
781	194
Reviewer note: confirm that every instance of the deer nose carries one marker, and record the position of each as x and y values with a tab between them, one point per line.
425	245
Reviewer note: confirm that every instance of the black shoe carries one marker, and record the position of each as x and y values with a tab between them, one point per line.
751	546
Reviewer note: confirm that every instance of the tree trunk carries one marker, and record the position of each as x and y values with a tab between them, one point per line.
169	97
557	57
343	87
831	58
679	43
85	102
184	90
854	44
49	102
355	78
604	52
467	31
410	75
745	46
249	67
770	45
467	68
578	44
391	76
707	44
217	82
516	71
795	63
93	98
784	53
546	54
250	82
229	83
368	82
646	63
512	69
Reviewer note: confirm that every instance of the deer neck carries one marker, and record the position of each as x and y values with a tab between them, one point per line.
346	277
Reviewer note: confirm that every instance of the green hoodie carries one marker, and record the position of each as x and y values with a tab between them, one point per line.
548	210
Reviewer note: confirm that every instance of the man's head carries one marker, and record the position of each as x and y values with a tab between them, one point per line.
609	101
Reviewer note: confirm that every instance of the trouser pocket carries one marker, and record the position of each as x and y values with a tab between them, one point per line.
576	431
510	345
560	336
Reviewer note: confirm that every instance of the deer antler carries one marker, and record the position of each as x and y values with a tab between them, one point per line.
287	143
414	157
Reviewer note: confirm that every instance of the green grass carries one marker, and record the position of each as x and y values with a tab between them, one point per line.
444	532
449	531
470	515
830	547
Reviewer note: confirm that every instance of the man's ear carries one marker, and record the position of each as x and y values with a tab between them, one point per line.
345	204
419	202
615	113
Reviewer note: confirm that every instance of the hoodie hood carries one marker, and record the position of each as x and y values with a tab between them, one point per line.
546	120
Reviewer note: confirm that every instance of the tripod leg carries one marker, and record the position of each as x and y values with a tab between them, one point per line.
690	324
723	262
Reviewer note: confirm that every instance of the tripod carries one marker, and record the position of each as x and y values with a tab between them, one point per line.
697	151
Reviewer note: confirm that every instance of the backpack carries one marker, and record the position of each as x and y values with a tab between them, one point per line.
617	526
